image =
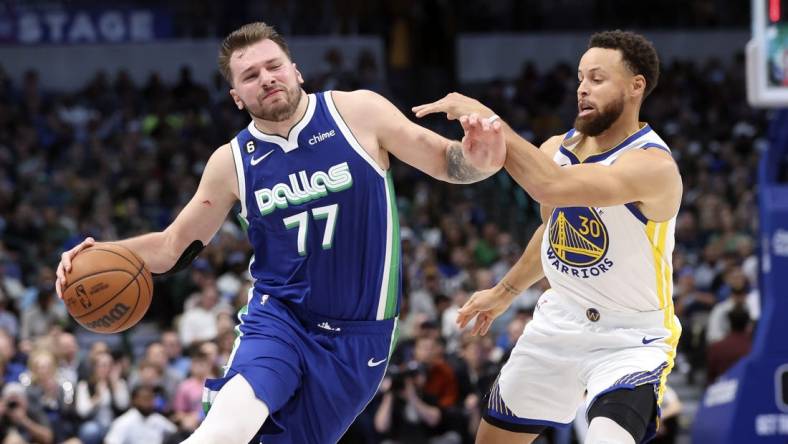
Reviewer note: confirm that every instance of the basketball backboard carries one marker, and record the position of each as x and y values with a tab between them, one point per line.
767	54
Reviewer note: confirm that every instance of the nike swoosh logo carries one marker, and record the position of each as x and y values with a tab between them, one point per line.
373	363
649	341
260	159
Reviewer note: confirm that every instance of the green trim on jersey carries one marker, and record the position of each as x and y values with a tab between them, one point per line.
393	265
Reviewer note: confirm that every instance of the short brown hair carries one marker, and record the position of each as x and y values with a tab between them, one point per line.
244	36
638	53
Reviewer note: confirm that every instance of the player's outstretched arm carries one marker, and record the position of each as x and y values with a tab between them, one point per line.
486	305
199	220
649	177
451	161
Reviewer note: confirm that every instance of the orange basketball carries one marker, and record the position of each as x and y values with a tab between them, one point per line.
109	289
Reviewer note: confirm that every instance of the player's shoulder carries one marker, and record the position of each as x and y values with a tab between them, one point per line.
357	99
551	145
363	109
223	150
649	147
222	157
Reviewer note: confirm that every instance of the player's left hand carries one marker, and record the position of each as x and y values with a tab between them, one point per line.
454	105
485	306
483	145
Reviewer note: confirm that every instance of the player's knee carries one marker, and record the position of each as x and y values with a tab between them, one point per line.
491	434
628	414
606	431
224	424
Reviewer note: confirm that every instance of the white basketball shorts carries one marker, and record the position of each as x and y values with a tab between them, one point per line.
570	352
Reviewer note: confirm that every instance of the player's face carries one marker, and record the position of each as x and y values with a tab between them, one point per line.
603	80
265	82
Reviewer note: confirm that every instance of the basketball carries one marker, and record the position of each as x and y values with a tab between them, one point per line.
109	289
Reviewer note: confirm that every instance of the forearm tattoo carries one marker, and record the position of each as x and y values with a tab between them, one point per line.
509	288
458	169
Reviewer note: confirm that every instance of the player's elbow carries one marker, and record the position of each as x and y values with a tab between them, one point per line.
549	193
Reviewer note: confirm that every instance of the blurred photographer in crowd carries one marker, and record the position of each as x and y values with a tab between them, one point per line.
20	422
406	413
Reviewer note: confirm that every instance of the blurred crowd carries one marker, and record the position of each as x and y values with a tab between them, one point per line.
116	159
320	17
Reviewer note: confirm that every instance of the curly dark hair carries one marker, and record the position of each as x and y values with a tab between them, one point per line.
637	52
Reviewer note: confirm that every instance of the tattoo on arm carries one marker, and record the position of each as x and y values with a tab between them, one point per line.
458	169
510	288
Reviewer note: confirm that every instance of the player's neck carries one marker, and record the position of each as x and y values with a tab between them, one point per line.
283	128
617	133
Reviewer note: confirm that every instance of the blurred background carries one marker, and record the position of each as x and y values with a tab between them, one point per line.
108	114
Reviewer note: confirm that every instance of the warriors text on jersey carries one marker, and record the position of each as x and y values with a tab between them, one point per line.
610	257
321	216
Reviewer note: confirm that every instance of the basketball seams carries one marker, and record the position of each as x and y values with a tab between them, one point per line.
110	299
94	265
149	286
134	266
118	254
123	270
120	328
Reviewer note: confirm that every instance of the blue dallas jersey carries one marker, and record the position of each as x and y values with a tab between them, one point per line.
321	217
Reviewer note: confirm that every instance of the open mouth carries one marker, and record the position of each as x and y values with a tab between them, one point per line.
584	109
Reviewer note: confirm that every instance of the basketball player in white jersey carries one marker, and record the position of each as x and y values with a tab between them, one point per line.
609	191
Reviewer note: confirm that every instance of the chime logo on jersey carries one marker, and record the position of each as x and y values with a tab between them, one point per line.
578	242
303	188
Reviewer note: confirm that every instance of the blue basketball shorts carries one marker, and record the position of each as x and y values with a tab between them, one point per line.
314	374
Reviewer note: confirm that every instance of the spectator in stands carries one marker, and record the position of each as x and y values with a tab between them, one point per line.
187	406
723	354
141	423
231	281
156	355
177	362
21	422
440	382
406	413
99	398
508	338
67	353
198	322
46	310
8	320
10	368
86	363
422	300
449	329
719	325
211	350
52	395
226	343
150	375
475	375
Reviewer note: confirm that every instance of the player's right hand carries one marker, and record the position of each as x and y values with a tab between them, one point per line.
454	105
64	267
485	306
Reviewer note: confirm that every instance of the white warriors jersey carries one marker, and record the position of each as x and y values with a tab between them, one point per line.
610	257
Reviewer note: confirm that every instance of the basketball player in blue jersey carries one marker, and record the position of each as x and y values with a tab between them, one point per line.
610	192
311	172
